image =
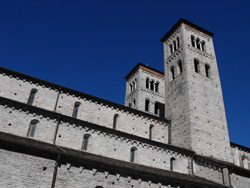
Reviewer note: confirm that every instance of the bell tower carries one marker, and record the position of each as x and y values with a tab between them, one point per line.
193	95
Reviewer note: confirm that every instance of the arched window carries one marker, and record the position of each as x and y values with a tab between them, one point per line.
131	87
147	83
171	48
32	96
244	162
172	72
75	110
147	102
85	142
180	66
175	46
115	121
178	42
151	131
157	86
98	187
193	40
134	102
198	43
157	109
32	128
152	85
207	69
203	46
132	154
196	66
172	163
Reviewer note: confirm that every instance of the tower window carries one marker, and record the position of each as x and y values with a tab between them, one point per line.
244	162
147	105
130	105
207	69
134	102
157	109
172	72
192	40
178	42
32	128
75	110
172	163
147	83
180	66
152	85
196	66
115	121
175	46
203	46
171	48
32	96
85	142
157	86
132	154
151	131
198	43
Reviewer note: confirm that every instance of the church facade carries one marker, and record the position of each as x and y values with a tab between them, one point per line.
171	132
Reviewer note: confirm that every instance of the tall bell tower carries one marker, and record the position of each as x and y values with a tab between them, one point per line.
193	95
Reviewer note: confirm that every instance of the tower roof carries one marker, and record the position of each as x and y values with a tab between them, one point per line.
145	67
182	20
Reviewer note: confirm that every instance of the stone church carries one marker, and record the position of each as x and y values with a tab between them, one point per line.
171	133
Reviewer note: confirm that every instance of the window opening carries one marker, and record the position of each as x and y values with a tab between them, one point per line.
115	121
132	154
32	96
180	66
32	128
193	41
85	142
147	83
172	163
157	86
152	85
175	47
196	66
198	43
151	131
147	105
207	68
75	110
172	72
171	48
178	42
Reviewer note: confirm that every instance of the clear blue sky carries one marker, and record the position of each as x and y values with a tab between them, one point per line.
91	45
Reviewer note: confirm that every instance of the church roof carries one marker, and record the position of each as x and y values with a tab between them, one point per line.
182	20
145	67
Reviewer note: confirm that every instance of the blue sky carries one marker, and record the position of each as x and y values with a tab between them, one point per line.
91	45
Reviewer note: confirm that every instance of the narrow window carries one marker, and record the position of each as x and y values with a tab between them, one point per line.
32	96
196	66
132	154
98	187
32	128
131	87
85	142
115	121
207	68
172	72
180	66
171	48
151	131
134	102
178	42
172	163
157	109
198	43
244	162
147	105
203	46
130	105
193	41
157	86
175	47
152	85
147	83
135	83
75	110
